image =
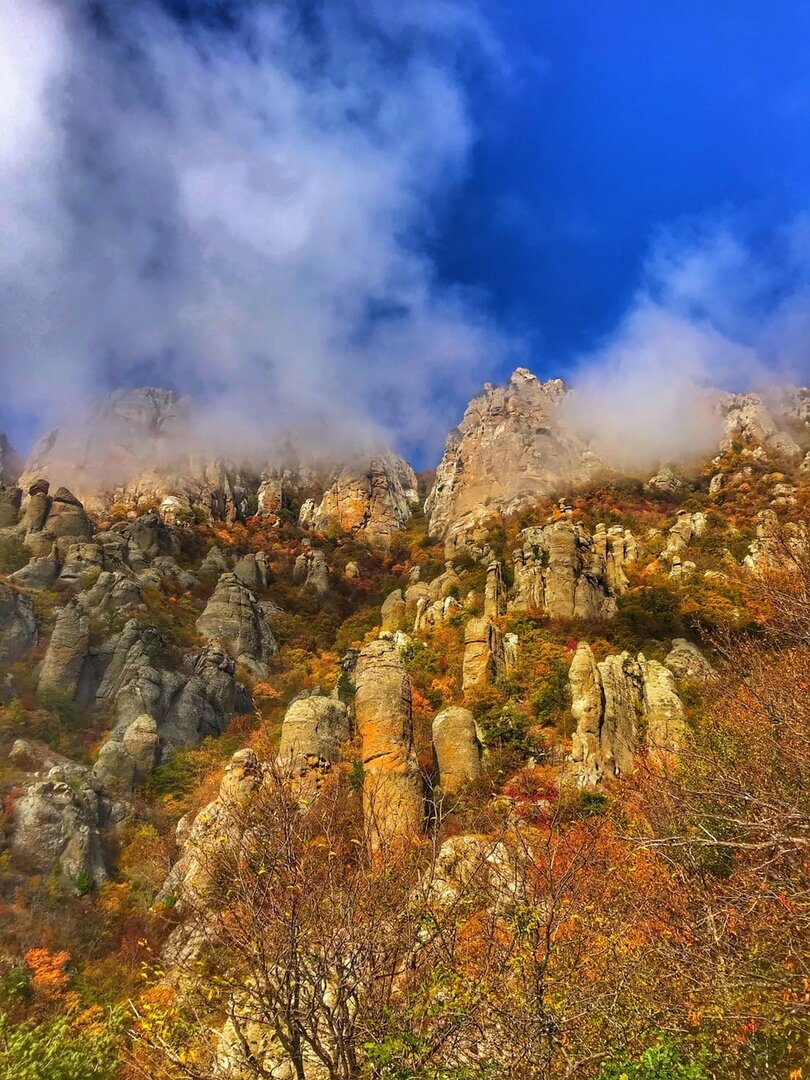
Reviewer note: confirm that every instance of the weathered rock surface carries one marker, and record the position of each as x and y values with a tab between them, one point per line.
18	626
392	787
438	613
67	651
217	828
253	571
124	764
609	702
686	661
749	417
456	748
312	570
512	446
56	828
484	656
233	619
392	612
567	573
312	734
10	503
373	498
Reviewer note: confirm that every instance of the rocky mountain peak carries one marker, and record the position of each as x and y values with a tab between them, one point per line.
512	445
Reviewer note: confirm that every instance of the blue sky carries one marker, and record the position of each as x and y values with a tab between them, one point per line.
621	117
341	217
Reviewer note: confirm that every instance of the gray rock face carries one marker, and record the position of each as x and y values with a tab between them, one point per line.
54	828
438	613
610	701
749	417
18	626
686	661
565	572
10	502
124	764
512	446
393	804
456	749
52	519
233	619
494	592
317	572
214	562
67	651
314	730
253	571
40	572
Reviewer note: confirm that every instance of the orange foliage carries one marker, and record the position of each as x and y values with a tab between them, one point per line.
48	976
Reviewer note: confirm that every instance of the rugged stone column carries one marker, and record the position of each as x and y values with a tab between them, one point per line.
494	592
483	652
314	730
456	749
392	787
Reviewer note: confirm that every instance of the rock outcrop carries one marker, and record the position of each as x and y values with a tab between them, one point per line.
18	625
512	446
484	656
565	572
233	619
124	764
686	661
611	702
456	748
312	734
55	828
374	499
393	802
67	651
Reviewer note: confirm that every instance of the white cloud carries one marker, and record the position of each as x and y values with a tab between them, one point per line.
710	314
236	213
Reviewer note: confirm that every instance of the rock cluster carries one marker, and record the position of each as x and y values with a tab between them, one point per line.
611	702
564	571
312	734
374	498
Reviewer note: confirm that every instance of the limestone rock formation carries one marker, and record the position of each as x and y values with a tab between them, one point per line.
392	787
311	568
233	619
374	499
749	417
392	611
124	764
18	626
484	656
609	702
494	591
67	651
512	446
216	828
686	661
438	613
10	503
564	571
253	571
53	519
56	828
312	734
456	749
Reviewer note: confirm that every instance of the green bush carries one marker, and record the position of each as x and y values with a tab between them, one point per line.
661	1061
13	554
52	1051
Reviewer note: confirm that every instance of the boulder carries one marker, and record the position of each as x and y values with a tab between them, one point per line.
392	787
457	751
253	571
392	612
612	703
214	562
124	764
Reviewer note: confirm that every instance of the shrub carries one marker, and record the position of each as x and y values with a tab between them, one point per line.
13	554
57	1050
661	1061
